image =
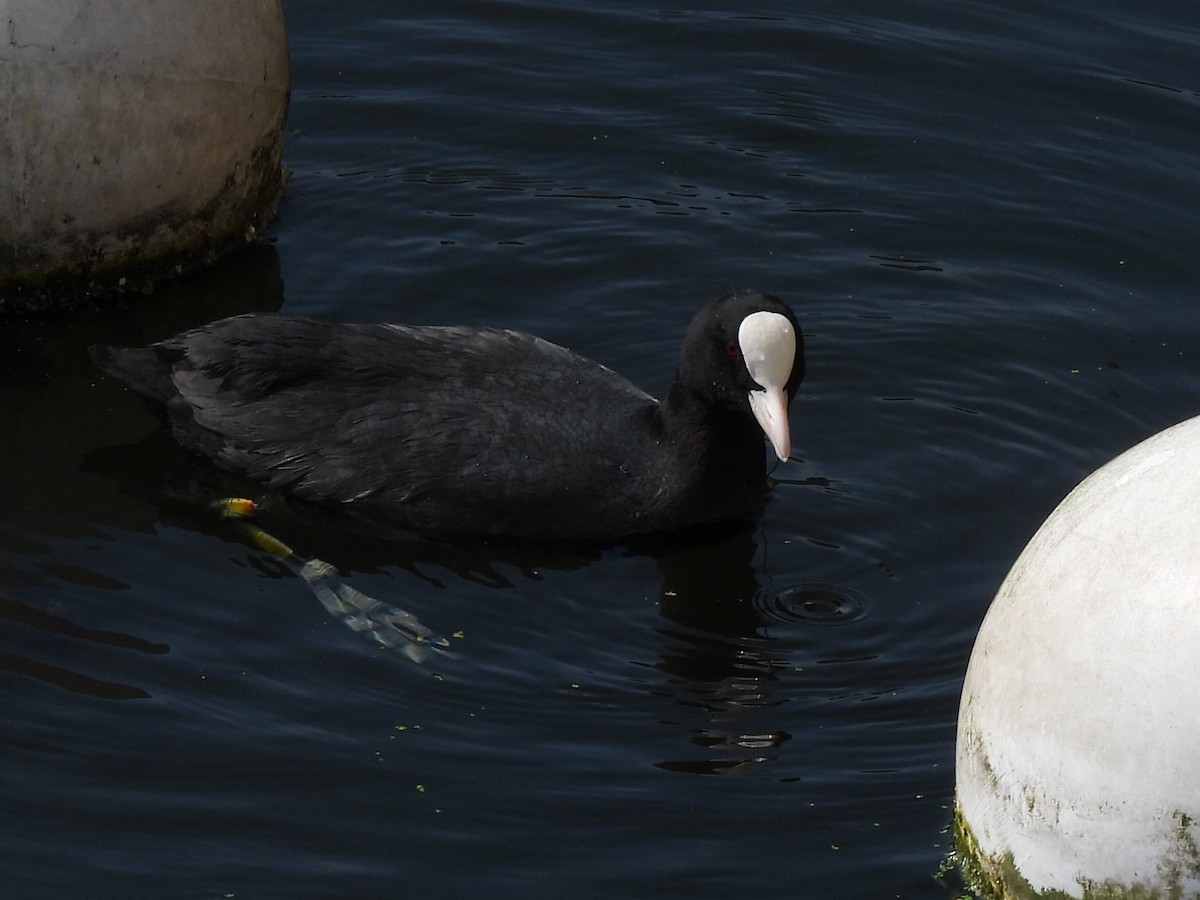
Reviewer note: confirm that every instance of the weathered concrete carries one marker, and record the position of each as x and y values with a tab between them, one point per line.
1079	730
140	137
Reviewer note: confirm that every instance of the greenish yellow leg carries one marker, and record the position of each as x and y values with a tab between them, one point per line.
240	509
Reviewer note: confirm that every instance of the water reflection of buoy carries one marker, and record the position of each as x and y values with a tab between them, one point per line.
1079	729
139	138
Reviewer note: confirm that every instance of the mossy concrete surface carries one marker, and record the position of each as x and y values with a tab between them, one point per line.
142	139
1078	747
999	878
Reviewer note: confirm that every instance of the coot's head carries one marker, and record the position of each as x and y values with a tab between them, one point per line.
744	351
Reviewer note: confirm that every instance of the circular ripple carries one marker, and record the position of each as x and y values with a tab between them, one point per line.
811	604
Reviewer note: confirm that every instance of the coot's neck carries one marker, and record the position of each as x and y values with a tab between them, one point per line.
723	449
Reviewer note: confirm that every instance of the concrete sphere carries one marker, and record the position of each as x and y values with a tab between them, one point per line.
1078	758
140	138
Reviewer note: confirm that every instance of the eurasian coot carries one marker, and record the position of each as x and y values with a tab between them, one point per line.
482	430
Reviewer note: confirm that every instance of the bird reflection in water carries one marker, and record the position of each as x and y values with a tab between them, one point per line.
719	664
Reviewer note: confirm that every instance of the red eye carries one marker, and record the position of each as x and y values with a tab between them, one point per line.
731	349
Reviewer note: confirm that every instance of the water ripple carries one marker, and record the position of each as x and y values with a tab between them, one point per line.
811	604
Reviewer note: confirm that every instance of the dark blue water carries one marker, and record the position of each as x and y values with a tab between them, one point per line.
986	218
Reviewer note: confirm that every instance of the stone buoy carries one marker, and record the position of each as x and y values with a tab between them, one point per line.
141	138
1078	756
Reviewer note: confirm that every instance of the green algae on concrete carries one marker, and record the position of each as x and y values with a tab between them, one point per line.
999	878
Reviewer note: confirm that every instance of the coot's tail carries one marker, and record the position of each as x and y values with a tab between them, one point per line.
147	371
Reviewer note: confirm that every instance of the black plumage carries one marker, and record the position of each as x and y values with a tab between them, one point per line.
468	430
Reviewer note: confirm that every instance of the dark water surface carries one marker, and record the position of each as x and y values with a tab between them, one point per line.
985	216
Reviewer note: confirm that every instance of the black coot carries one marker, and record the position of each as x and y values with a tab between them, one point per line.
482	430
